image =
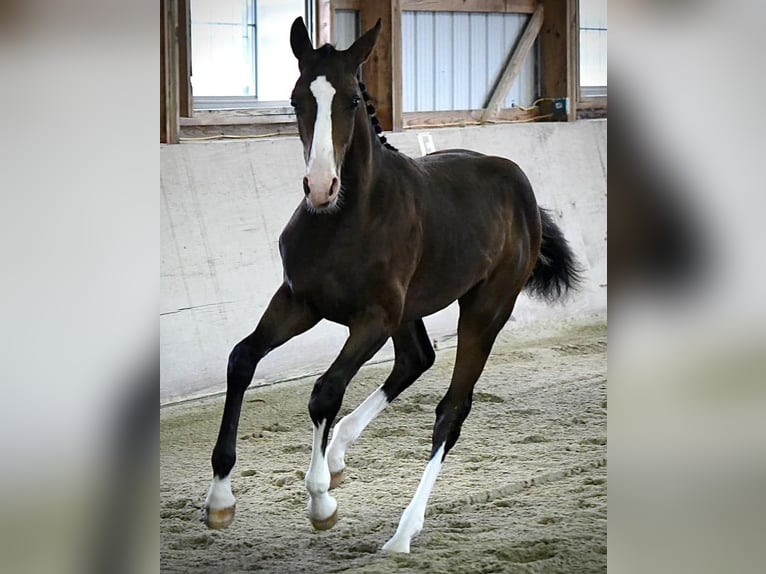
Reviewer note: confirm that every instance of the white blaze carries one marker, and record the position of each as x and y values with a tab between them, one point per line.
320	167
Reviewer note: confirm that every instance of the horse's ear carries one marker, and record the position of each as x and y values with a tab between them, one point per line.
299	39
360	50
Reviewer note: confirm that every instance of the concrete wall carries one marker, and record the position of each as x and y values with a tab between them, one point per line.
224	204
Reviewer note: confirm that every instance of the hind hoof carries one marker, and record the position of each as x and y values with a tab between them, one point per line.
335	479
325	524
218	519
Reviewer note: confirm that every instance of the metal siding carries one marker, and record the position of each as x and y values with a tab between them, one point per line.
424	50
409	83
478	51
443	61
346	28
452	60
523	90
497	55
461	64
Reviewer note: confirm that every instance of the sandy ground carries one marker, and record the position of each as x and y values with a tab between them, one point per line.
524	489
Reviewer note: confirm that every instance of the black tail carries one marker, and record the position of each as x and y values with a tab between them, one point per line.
556	270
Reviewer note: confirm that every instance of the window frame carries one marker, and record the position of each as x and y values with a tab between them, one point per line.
230	103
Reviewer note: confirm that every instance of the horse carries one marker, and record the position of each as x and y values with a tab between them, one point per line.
378	242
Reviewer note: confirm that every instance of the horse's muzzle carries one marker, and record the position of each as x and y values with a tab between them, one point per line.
321	195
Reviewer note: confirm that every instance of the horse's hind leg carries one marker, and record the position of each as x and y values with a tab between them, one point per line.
483	312
284	319
413	356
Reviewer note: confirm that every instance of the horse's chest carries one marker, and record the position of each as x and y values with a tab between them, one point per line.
332	288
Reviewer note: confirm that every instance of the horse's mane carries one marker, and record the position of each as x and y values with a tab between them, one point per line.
373	118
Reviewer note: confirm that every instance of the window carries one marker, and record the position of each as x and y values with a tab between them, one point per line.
452	60
593	47
241	53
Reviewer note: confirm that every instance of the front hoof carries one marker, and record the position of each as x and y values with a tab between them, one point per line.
327	523
335	479
397	546
218	519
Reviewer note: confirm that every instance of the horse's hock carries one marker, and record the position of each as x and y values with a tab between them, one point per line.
225	203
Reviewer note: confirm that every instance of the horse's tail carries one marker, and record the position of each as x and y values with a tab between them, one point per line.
556	271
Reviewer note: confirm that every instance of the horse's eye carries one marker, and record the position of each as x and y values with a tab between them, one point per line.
354	102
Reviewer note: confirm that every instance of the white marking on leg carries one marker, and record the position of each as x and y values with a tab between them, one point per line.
219	494
348	429
321	167
321	505
413	516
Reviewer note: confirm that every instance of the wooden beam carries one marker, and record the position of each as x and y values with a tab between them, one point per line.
514	65
383	70
183	33
163	79
557	48
347	4
168	73
414	120
276	115
501	6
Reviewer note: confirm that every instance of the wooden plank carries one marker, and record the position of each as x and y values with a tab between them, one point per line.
168	73
594	103
191	132
464	117
183	35
514	65
163	79
383	70
347	4
574	58
503	6
556	52
275	115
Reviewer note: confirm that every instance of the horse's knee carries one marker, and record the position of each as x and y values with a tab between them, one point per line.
326	399
241	366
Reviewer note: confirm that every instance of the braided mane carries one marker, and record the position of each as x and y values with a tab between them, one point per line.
373	118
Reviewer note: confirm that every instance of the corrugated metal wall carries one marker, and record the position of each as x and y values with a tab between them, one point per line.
346	27
452	60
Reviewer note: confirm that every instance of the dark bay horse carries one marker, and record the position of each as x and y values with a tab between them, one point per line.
380	241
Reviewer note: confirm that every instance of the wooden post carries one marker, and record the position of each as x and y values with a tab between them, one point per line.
383	71
558	52
183	34
168	73
513	67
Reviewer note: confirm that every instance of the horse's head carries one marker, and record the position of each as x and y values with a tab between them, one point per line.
327	99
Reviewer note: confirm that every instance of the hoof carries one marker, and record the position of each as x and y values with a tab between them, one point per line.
217	519
396	546
325	524
335	479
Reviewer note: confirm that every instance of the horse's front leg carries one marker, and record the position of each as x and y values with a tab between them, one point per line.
366	336
284	318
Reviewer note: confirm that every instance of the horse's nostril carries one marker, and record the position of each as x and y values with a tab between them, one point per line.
333	186
306	189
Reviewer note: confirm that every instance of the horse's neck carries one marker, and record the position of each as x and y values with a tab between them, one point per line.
364	156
